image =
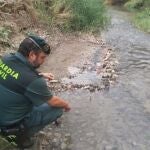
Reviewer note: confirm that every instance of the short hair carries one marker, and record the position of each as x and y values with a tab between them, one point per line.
29	44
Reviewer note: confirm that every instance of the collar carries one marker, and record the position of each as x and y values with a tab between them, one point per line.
24	60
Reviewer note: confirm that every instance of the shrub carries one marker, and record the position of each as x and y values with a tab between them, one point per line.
43	11
134	4
73	15
142	20
4	33
87	15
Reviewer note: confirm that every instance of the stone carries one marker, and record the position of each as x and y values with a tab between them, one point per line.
49	135
68	135
90	134
63	146
109	147
55	142
57	135
109	70
54	81
77	112
92	89
134	143
44	142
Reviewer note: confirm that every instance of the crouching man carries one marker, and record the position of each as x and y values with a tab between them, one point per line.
24	95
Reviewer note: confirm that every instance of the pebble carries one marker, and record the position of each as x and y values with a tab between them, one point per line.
134	143
77	112
55	142
90	134
68	135
58	135
108	147
63	146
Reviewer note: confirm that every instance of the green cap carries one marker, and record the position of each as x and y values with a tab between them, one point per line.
40	43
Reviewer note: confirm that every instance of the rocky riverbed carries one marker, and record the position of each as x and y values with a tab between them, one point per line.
97	73
109	100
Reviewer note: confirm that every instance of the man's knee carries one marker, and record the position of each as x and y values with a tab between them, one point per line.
53	114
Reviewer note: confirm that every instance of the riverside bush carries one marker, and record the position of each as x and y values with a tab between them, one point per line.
134	4
141	10
87	15
82	15
142	20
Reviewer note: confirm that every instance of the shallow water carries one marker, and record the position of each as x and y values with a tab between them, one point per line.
118	119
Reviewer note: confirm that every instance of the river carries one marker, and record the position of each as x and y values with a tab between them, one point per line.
118	119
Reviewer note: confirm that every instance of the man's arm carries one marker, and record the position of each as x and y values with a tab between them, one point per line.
58	102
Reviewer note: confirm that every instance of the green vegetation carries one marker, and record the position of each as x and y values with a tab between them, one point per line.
74	15
44	14
142	13
134	4
4	33
142	20
87	15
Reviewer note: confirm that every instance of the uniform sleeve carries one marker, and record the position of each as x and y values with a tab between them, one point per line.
37	92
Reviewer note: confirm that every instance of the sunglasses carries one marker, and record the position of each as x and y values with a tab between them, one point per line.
46	48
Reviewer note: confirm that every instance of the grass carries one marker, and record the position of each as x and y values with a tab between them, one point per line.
82	15
4	33
142	20
141	9
87	15
131	5
44	14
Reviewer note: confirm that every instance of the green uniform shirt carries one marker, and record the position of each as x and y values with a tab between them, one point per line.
21	88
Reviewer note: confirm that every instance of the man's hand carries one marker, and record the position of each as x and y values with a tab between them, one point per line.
48	76
67	107
58	102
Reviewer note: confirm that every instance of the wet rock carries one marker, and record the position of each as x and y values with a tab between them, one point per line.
92	89
113	71
134	143
49	135
112	82
44	142
109	70
110	148
114	76
106	75
90	134
69	87
68	135
55	142
63	146
73	70
57	135
77	112
86	87
102	87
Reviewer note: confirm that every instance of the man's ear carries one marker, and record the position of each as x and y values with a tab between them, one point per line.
32	56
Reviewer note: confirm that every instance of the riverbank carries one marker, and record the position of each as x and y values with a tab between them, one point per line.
141	10
83	56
